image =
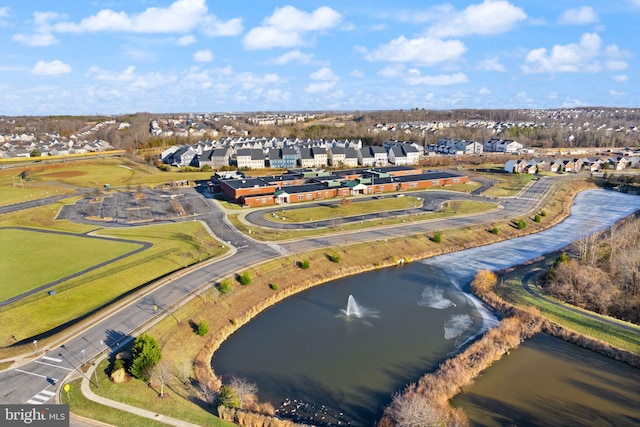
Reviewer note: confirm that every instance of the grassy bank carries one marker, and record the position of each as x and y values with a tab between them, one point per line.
511	289
226	313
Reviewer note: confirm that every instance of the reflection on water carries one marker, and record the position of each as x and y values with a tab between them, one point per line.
547	382
303	351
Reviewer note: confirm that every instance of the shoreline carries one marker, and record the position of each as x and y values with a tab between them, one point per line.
202	365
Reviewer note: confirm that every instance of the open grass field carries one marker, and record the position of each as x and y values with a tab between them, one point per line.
14	190
458	207
506	184
320	213
96	173
174	246
28	261
510	288
173	404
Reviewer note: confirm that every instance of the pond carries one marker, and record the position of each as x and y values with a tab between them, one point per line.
318	365
548	382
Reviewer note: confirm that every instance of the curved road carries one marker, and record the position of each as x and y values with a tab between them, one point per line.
36	381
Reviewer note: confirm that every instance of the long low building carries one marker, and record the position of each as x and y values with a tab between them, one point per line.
269	190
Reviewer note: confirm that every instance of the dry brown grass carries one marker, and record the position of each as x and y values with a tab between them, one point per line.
226	313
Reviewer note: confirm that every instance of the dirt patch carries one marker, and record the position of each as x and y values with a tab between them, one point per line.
64	174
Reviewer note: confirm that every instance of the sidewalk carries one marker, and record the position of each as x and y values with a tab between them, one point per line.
89	394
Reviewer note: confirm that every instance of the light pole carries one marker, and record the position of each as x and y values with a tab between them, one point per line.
35	343
95	371
84	360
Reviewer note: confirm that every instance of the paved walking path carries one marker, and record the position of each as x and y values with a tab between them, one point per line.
89	394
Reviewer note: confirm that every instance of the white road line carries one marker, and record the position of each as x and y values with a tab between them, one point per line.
41	397
52	359
55	366
36	375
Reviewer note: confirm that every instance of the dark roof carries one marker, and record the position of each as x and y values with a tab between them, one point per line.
246	183
305	188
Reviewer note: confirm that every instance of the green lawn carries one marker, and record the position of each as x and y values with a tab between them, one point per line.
174	247
508	184
511	290
28	261
454	208
79	405
342	210
173	404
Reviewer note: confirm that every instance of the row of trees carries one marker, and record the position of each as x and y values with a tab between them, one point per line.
603	272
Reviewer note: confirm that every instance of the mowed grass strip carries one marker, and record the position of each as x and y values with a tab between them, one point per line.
138	393
29	259
174	246
345	209
510	288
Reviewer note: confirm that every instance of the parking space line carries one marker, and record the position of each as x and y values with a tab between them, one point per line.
52	359
36	375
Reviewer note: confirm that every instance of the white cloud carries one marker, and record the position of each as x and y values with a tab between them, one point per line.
213	27
293	56
288	25
438	80
53	68
571	58
484	91
422	51
320	87
613	92
186	40
491	64
127	75
358	74
38	39
581	16
488	17
616	65
4	11
179	17
392	71
620	78
203	56
324	74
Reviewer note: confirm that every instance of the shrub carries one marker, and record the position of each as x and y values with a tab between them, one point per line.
305	264
274	286
202	329
334	258
537	218
405	259
145	355
245	279
543	213
522	224
495	230
228	397
484	281
437	237
224	287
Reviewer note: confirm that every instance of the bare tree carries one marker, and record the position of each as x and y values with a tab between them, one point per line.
162	372
245	390
414	410
183	371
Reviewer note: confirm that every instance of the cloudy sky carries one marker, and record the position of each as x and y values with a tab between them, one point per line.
126	56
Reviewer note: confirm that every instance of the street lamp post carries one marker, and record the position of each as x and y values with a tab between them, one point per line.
35	343
84	360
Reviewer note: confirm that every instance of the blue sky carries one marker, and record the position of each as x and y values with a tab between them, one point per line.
125	56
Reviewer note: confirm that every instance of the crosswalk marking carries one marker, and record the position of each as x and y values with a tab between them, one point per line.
52	359
41	397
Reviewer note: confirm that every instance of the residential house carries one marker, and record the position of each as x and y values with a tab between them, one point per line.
350	157
397	156
185	156
338	154
250	158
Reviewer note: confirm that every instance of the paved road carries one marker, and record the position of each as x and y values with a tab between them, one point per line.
37	380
